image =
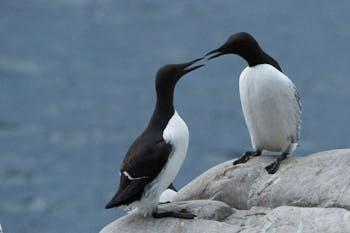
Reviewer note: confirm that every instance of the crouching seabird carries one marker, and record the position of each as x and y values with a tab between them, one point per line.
155	157
270	102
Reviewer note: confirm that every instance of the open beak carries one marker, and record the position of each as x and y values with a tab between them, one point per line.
217	52
186	66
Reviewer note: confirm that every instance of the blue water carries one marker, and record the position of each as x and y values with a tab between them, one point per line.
77	86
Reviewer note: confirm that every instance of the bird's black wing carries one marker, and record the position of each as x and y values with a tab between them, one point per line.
143	162
131	192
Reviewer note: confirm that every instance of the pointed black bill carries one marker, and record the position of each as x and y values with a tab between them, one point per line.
217	53
222	50
188	64
192	69
214	51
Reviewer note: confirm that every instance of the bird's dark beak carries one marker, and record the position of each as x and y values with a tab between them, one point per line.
186	66
217	52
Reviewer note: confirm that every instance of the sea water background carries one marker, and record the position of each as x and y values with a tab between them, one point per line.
77	87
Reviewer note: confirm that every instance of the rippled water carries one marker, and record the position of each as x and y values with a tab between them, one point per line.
77	86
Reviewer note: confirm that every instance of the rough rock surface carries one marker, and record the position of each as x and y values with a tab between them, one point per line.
204	209
317	180
246	199
286	219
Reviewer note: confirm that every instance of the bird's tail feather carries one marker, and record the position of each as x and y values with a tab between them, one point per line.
131	193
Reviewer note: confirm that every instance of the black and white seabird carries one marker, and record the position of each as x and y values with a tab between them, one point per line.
155	157
270	102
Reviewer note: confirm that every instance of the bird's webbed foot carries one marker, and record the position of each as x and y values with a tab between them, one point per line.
183	215
273	167
246	156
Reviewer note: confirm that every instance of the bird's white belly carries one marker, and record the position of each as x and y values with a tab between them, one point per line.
176	133
267	129
268	108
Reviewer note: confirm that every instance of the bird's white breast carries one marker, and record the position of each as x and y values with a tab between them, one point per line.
270	107
176	133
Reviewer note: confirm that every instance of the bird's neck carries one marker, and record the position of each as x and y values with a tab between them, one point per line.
258	57
163	110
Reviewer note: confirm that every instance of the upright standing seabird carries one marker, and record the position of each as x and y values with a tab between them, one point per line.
270	102
154	159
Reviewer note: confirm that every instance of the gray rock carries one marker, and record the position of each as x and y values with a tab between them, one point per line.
298	220
136	224
203	209
286	219
207	212
248	218
246	199
318	180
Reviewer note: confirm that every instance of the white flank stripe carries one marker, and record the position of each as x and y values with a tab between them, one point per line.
132	178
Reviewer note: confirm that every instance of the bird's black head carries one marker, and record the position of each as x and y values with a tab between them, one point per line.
168	75
166	79
242	44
